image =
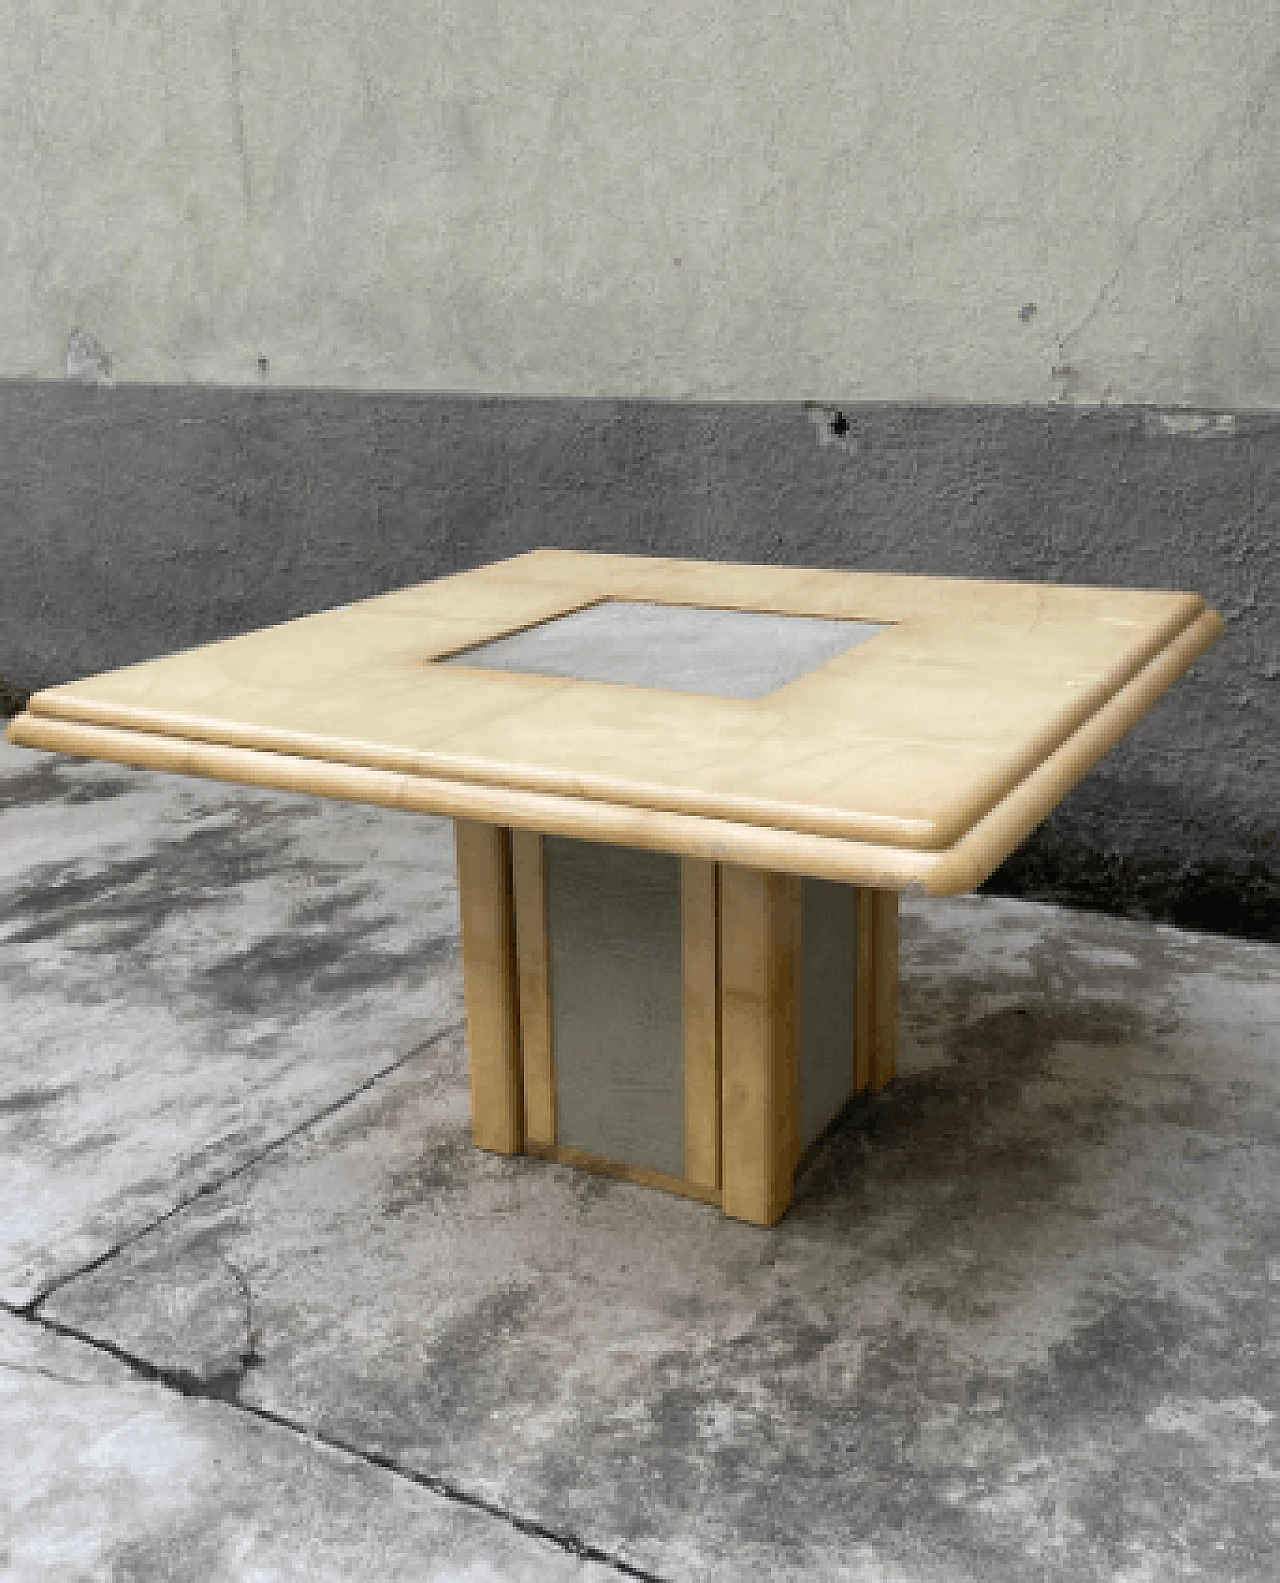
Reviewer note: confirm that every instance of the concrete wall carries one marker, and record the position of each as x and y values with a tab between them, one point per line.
971	200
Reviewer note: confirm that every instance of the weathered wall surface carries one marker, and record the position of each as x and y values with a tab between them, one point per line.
137	521
972	200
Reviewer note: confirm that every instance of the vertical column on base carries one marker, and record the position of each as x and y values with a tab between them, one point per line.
760	1036
700	993
791	933
876	1005
533	956
489	977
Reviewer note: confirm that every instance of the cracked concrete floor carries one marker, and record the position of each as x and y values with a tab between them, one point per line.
265	1314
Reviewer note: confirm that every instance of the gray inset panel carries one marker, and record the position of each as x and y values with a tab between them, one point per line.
678	648
828	979
613	920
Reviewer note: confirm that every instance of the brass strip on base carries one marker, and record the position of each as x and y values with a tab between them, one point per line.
700	991
884	1040
533	958
638	1175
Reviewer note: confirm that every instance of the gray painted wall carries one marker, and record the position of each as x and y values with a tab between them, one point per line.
134	521
973	200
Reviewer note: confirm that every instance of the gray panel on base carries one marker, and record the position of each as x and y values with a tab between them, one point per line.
613	921
828	976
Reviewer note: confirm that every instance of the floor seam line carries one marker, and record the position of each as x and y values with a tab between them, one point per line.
31	1308
188	1386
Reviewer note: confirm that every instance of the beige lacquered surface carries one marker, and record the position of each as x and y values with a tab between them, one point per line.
905	742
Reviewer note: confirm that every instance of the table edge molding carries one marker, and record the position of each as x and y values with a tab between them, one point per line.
952	871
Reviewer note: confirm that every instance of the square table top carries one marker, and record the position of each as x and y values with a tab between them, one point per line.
871	764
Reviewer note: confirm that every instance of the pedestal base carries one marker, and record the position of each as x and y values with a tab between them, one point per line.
690	1025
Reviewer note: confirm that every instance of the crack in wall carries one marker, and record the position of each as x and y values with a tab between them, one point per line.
1238	121
238	135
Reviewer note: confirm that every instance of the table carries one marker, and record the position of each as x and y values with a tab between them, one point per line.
687	798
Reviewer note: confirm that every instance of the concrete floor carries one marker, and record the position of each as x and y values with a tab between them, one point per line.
264	1313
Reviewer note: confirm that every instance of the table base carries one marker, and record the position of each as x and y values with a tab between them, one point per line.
711	1021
